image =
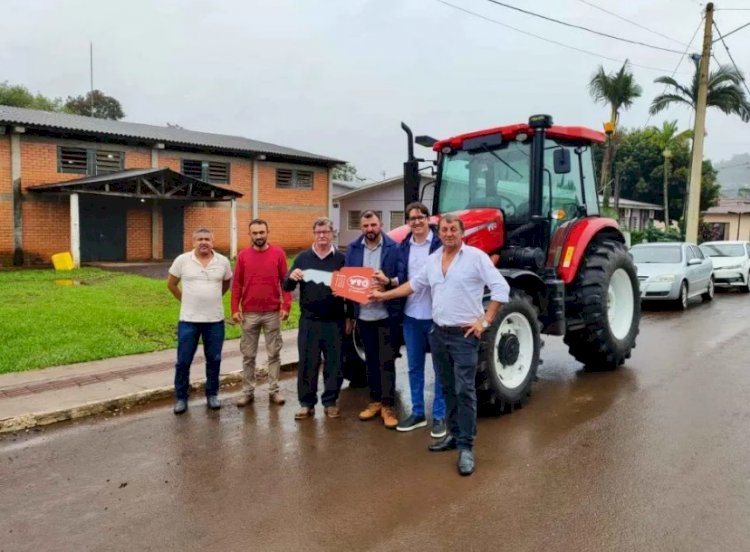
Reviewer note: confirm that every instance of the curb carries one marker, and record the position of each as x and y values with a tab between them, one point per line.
38	419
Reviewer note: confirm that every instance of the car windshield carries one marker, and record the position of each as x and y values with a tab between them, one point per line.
723	250
657	254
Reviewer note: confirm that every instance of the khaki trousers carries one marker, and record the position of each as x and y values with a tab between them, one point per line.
252	324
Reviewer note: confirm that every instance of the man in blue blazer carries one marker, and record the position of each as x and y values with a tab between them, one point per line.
378	324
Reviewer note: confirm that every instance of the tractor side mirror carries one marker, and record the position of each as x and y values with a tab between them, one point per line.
561	159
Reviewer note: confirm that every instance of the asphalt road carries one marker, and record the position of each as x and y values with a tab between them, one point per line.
654	456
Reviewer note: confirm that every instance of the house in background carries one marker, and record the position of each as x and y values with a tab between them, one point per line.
116	191
729	220
635	215
385	198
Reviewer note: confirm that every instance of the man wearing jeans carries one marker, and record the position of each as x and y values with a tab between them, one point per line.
456	276
204	276
259	304
415	249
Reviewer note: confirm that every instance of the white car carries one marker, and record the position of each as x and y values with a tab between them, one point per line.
731	263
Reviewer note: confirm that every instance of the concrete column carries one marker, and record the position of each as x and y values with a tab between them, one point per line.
330	196
255	189
75	231
154	158
233	229
15	176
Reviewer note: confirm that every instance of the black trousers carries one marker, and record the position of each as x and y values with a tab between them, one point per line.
380	339
316	338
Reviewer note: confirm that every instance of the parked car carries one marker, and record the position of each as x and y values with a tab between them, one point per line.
674	272
731	261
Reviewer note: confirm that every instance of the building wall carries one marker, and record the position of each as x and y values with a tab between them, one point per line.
738	226
387	199
46	218
289	212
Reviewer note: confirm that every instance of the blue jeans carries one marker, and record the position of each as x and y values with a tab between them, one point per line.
188	334
416	337
456	356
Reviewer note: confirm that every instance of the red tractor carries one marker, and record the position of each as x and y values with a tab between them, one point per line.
527	196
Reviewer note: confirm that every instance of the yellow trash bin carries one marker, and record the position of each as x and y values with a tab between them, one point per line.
63	261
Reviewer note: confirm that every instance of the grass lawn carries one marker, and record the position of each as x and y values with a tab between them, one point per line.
44	322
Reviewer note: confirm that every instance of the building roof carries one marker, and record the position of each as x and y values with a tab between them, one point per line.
163	184
375	185
632	204
166	135
729	205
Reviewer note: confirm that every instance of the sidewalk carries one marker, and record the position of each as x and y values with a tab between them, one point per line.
42	397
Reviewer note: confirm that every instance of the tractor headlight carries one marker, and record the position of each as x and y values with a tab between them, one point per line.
664	278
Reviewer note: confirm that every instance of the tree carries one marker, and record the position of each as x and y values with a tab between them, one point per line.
95	104
346	172
19	96
667	138
618	90
724	92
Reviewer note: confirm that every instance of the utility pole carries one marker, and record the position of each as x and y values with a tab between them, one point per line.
696	165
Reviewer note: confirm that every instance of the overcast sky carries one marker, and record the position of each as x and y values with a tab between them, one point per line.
335	77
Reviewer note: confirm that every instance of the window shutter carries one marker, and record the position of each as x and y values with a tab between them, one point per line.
284	178
73	160
397	219
218	173
192	168
107	161
353	220
304	179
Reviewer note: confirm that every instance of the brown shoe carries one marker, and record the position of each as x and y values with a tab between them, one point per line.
304	412
332	411
276	398
372	410
245	400
390	420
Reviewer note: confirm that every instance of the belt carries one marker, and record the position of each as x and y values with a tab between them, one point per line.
452	329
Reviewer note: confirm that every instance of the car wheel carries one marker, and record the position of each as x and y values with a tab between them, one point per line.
709	294
682	299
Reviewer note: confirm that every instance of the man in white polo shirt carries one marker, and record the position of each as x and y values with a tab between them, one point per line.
205	276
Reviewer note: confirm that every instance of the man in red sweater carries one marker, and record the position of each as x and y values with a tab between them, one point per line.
259	303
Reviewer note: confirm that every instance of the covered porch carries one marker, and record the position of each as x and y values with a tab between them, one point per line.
100	206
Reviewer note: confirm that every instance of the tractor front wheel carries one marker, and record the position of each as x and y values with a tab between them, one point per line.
509	356
605	297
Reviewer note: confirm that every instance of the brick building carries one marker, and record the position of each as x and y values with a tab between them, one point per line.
116	191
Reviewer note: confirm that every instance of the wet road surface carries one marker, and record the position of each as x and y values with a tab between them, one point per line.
654	456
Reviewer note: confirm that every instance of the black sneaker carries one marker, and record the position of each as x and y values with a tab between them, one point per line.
412	422
438	429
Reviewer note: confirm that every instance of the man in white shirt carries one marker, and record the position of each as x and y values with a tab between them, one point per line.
456	275
205	277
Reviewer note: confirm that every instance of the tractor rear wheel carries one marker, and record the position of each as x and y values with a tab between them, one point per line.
509	356
605	297
353	362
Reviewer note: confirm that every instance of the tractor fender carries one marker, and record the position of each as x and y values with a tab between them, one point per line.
570	241
529	282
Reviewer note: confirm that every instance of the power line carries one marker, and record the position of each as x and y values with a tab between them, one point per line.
631	22
732	32
551	41
739	73
574	26
695	33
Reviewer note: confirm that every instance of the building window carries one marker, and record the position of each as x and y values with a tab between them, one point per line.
397	219
208	171
89	161
294	178
353	218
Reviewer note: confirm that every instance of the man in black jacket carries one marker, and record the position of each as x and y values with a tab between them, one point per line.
321	324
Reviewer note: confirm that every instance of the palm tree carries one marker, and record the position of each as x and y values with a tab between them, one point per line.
667	138
618	90
724	92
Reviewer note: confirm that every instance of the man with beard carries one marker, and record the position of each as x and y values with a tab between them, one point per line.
258	303
198	279
378	324
321	324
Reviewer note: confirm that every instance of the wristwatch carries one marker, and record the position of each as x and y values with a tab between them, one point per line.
485	324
